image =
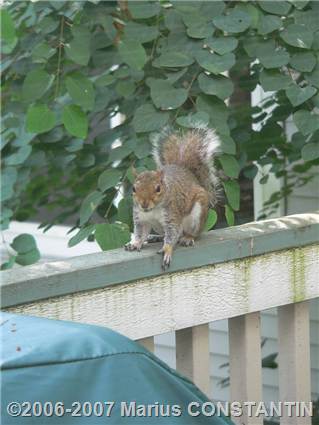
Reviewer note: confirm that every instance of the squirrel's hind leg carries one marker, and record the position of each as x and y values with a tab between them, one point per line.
194	222
187	240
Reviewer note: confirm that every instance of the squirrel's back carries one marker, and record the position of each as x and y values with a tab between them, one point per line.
195	151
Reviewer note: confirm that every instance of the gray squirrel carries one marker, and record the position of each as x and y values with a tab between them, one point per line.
174	200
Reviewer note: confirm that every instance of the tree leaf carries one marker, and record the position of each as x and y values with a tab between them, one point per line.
111	236
306	122
39	119
165	96
219	86
8	264
298	95
212	8
119	153
236	21
86	160
217	111
270	57
81	235
125	88
309	18
147	118
232	190
124	211
310	151
211	220
251	171
303	62
28	258
268	24
19	157
35	84
132	53
227	144
274	6
229	214
47	24
105	80
215	63
8	32
23	243
143	9
81	90
141	147
273	80
74	145
89	205
269	361
140	32
313	77
200	31
197	120
251	45
78	50
230	165
42	52
8	180
222	45
75	121
109	178
298	36
173	60
250	10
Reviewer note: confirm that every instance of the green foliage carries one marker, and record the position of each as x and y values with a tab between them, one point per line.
75	121
68	68
39	119
211	220
26	251
232	191
36	83
110	236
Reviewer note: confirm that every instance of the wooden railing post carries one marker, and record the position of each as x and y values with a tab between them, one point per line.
294	359
192	355
147	343
245	364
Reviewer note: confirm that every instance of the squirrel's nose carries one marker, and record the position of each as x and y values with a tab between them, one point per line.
145	205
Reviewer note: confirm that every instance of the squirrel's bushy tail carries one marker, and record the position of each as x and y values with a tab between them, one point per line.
194	150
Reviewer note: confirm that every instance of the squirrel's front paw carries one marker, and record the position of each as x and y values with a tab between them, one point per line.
133	246
167	251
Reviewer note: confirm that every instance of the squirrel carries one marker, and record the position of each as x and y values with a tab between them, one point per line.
174	200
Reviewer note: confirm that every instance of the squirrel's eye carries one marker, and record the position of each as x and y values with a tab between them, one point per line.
134	190
158	188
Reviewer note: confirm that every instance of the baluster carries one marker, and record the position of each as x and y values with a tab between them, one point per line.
245	364
147	343
294	359
192	355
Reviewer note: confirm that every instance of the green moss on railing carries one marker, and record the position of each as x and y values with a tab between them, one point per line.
298	275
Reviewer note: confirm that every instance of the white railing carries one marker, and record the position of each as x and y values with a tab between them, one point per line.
231	274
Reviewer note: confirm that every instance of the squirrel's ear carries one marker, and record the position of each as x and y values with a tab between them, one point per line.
160	174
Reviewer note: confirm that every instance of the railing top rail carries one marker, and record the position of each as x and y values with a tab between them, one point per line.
93	271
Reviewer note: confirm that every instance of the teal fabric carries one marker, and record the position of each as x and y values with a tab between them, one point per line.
55	361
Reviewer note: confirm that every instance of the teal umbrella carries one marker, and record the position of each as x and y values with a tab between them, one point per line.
56	372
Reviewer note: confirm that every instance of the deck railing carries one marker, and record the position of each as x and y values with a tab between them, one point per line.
231	274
